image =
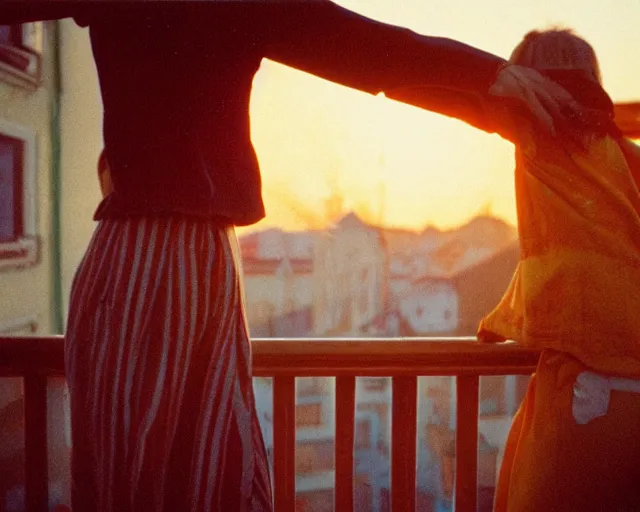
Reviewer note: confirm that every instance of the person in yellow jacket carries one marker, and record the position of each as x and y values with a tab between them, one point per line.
575	441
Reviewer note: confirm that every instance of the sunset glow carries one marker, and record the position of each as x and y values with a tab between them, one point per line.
398	165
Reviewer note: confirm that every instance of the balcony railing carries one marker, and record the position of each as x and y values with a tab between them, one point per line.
36	359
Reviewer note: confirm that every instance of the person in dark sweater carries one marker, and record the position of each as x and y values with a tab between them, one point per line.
157	348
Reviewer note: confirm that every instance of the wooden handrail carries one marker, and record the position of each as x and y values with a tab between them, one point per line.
321	357
23	355
36	358
372	357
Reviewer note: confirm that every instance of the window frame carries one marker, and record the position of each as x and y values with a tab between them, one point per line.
23	250
21	57
311	389
19	326
309	414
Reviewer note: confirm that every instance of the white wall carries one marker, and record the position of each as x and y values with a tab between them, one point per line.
399	285
431	308
25	294
261	290
495	431
81	124
350	271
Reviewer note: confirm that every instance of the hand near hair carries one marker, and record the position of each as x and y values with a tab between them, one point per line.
521	88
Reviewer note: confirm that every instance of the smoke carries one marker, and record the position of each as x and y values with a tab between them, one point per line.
339	202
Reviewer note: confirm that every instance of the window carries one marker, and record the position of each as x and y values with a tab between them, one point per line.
375	384
11	150
314	457
308	415
312	387
438	392
364	293
20	54
18	243
362	434
373	423
21	326
492	396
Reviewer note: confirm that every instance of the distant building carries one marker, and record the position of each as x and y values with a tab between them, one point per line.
480	287
350	277
430	307
451	302
30	244
276	244
27	75
278	296
445	302
400	275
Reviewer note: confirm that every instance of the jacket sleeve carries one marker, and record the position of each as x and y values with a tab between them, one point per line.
632	154
324	39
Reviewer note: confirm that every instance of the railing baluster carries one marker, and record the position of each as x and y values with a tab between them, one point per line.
35	443
284	443
345	424
35	357
466	489
403	444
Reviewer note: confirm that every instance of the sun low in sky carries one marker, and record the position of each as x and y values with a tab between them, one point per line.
325	149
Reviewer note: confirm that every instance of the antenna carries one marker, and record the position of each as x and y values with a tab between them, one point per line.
382	190
300	211
334	204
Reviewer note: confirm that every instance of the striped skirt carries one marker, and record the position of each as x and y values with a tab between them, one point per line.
159	370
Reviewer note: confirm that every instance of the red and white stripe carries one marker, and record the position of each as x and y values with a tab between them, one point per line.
159	369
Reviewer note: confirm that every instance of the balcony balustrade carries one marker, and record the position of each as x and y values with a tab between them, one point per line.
36	359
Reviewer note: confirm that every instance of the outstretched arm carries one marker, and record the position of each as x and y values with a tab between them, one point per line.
324	39
468	107
437	74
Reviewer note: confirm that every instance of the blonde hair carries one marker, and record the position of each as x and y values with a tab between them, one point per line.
556	49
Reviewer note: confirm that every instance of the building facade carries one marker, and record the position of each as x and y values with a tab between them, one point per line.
30	242
350	278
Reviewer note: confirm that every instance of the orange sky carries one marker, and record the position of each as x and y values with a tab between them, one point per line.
398	165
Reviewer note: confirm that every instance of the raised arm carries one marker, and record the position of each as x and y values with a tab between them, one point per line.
467	106
324	39
437	74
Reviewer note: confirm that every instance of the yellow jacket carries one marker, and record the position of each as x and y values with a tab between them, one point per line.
576	288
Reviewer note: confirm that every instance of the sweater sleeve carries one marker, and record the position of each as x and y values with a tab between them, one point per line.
465	106
324	39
